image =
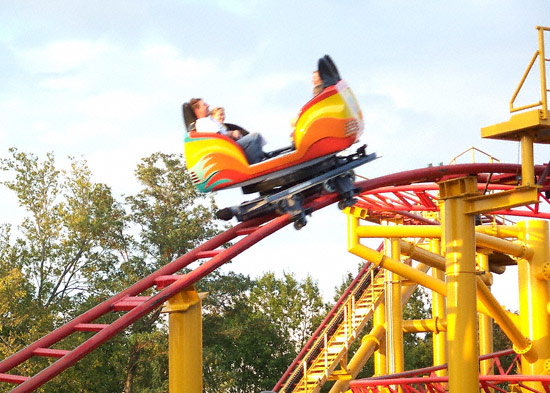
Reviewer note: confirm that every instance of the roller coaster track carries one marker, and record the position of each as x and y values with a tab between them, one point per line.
381	195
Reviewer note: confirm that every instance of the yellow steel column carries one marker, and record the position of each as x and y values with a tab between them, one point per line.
485	321
379	319
394	314
527	161
461	285
185	342
439	338
534	296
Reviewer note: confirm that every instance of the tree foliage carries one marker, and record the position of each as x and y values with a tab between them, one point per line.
77	245
252	328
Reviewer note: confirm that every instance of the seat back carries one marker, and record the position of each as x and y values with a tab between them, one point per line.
328	71
189	117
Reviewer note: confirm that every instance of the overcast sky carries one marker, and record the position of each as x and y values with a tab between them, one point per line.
104	80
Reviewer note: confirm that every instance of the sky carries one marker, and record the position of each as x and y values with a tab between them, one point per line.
105	80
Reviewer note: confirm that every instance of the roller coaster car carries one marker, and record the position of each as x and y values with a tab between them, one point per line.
329	123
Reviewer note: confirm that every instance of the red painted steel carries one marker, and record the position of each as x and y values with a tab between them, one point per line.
425	379
415	190
250	229
254	231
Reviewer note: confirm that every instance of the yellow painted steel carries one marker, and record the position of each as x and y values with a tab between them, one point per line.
519	250
432	259
485	324
394	314
461	285
398	231
379	319
436	325
487	303
535	122
522	344
542	59
542	66
360	357
527	161
519	196
500	231
535	296
439	314
369	343
459	203
434	231
399	268
185	342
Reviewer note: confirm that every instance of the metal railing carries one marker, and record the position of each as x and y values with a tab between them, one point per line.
540	54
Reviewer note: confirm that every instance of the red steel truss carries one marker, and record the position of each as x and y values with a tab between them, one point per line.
398	193
426	380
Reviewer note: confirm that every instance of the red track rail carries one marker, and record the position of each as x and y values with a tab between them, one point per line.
426	381
170	283
137	306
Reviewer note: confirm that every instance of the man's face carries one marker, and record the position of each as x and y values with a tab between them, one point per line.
202	109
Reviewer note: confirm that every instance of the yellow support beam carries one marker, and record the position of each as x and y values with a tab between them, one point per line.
534	297
485	323
394	311
185	341
435	325
519	196
369	343
460	273
439	313
399	231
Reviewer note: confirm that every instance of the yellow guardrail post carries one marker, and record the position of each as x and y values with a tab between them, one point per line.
542	63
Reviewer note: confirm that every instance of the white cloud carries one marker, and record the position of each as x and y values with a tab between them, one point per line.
79	133
71	83
61	56
114	165
115	105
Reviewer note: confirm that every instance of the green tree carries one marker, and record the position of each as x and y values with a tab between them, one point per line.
248	339
173	218
77	246
66	243
417	347
296	307
71	227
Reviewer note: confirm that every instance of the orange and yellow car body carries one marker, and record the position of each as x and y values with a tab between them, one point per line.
329	123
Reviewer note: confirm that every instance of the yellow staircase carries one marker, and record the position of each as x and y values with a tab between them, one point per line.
331	347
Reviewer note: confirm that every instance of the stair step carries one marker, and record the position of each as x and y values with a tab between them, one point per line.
208	254
90	327
11	378
129	303
51	353
164	281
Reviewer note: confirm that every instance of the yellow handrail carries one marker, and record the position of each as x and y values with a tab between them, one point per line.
473	150
544	90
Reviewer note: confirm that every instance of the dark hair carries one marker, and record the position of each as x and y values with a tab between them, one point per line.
194	102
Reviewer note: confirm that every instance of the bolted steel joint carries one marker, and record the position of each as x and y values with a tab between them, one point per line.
524	350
